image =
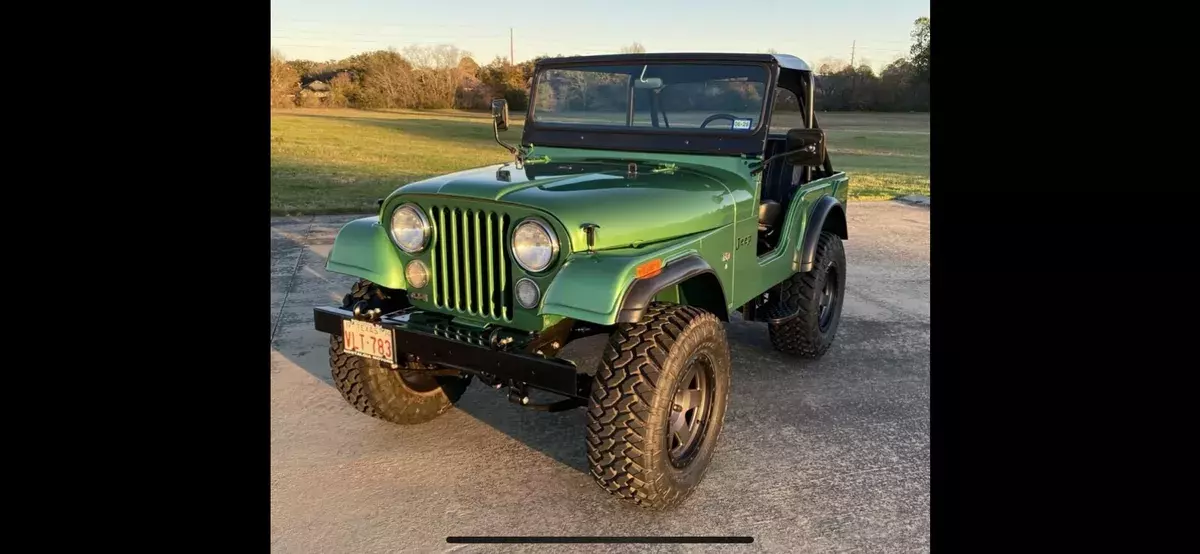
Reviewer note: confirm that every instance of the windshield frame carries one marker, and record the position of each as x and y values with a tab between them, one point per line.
647	138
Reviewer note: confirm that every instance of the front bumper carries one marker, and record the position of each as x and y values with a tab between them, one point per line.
432	343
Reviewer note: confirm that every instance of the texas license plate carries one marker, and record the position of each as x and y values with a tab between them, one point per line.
368	340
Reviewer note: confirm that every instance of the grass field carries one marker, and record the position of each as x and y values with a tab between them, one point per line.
341	161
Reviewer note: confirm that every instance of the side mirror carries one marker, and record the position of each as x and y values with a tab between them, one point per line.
500	113
805	147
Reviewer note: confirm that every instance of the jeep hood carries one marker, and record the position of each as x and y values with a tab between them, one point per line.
629	210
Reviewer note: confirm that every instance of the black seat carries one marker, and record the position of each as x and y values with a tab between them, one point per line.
768	213
775	183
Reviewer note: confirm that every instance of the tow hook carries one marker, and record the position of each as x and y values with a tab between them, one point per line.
518	395
497	341
361	311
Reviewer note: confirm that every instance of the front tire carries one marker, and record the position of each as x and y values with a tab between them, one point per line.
402	396
816	299
658	404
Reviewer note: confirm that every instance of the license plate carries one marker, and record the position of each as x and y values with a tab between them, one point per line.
368	340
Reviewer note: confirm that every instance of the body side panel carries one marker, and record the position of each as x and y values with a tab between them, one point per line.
783	261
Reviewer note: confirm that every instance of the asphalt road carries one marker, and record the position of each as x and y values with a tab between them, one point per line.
815	457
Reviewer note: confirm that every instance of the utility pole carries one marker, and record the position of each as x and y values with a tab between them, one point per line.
853	70
511	59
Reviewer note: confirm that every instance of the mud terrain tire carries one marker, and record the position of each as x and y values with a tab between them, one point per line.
652	375
394	395
816	298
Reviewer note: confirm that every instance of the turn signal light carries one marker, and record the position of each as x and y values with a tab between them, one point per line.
648	269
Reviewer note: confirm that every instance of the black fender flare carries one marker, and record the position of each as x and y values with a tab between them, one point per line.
642	291
823	209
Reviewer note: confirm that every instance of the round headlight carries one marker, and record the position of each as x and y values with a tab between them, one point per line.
417	274
410	229
527	294
534	245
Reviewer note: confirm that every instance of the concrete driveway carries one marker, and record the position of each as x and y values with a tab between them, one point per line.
815	457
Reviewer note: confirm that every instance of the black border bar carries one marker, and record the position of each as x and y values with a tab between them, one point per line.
607	540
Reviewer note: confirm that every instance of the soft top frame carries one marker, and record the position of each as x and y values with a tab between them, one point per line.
786	71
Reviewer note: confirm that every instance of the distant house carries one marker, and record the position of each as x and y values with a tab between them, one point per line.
316	88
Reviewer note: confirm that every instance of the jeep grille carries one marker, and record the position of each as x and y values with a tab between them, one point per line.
471	270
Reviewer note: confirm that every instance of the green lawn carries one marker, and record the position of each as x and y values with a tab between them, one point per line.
341	161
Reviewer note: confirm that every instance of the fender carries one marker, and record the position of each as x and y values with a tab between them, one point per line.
642	291
826	210
362	249
597	288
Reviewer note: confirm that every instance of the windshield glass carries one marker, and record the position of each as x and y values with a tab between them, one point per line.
710	97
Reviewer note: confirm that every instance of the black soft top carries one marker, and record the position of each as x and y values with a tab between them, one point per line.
785	61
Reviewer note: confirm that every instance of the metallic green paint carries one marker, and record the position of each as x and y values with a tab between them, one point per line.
693	204
484	270
757	275
363	249
648	208
590	287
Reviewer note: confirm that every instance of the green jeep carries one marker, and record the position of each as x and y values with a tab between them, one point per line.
648	200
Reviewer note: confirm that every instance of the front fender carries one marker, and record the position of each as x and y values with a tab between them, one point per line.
362	249
594	287
589	286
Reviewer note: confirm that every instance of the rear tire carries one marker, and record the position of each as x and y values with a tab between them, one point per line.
657	405
816	297
401	395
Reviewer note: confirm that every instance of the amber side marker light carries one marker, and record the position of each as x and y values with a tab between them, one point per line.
648	269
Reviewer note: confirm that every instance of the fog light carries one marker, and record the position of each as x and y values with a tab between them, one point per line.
416	274
527	293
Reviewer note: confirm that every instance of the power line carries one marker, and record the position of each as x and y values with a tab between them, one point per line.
305	33
402	38
378	24
883	49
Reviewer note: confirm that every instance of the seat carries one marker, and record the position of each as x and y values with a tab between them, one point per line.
768	213
775	185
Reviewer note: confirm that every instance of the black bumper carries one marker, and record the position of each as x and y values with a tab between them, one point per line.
550	374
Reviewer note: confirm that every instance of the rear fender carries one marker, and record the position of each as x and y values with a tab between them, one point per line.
828	215
816	206
362	249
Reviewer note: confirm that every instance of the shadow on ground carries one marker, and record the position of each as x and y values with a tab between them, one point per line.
561	435
557	435
831	455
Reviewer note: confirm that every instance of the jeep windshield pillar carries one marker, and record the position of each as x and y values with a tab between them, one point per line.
664	193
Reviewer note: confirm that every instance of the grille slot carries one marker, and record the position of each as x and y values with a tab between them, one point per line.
471	271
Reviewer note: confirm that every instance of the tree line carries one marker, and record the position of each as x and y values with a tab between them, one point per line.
443	76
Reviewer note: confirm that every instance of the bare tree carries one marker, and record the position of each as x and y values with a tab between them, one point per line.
831	65
635	48
438	73
285	82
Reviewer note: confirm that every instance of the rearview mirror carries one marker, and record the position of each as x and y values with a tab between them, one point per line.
651	83
805	147
500	113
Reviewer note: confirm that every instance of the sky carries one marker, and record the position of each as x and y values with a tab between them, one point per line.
875	31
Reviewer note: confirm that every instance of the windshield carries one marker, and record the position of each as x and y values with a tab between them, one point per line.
712	97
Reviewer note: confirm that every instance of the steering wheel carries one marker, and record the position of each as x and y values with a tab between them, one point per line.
717	116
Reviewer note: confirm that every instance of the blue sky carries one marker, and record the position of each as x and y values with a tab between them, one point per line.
813	30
